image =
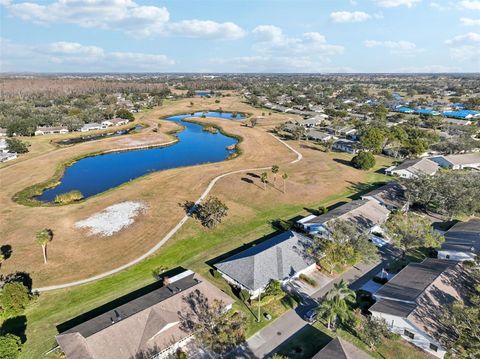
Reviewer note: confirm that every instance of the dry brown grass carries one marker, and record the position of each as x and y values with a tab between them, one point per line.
73	255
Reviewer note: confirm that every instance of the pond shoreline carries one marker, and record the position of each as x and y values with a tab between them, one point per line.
27	196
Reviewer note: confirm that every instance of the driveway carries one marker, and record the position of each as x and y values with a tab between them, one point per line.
269	338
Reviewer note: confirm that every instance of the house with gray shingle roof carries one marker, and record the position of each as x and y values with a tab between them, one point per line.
462	241
414	168
339	348
459	162
366	215
282	258
411	302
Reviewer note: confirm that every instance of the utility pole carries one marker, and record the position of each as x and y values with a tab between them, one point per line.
259	297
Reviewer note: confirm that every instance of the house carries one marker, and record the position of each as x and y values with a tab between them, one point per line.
93	126
3	145
147	326
427	112
47	130
365	214
320	136
463	114
339	348
411	302
282	258
404	110
114	122
458	162
457	122
462	241
390	196
8	156
414	168
346	146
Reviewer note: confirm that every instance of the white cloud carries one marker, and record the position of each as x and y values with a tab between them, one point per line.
270	39
470	4
276	52
397	3
465	38
470	22
395	47
70	56
465	47
122	15
207	29
349	16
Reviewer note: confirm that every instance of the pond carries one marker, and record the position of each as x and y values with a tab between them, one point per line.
97	174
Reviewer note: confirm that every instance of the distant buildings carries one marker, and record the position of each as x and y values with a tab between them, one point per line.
411	302
114	122
93	126
145	327
46	130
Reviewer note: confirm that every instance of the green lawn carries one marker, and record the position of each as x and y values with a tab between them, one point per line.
312	338
53	308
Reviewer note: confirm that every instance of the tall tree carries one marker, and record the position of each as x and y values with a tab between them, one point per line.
211	212
211	326
275	170
284	177
409	231
336	306
10	346
264	179
44	237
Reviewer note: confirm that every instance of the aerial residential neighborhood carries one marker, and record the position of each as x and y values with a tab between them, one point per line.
239	180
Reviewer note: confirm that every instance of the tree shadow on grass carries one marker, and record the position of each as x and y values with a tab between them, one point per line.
16	325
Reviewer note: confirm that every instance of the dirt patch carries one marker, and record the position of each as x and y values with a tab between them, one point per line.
112	219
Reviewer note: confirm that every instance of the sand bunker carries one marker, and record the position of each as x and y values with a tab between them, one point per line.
112	219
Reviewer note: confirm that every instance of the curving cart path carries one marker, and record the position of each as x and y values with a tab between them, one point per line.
169	234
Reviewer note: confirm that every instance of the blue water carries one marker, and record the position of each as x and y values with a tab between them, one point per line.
96	174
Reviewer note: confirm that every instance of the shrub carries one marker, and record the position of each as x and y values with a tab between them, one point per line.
364	161
10	346
322	210
14	298
308	280
69	197
216	274
244	295
15	145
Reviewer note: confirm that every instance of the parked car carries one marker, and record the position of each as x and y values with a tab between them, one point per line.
311	315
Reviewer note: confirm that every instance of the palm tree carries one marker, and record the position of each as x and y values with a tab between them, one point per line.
284	177
264	179
275	169
43	238
335	306
342	291
327	311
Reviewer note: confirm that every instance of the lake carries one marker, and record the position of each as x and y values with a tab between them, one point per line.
97	174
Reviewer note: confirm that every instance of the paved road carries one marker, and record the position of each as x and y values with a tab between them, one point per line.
170	234
269	338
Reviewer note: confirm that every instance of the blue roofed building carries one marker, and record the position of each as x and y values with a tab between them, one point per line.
463	114
404	110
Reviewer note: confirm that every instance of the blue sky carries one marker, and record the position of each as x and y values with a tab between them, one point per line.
240	36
